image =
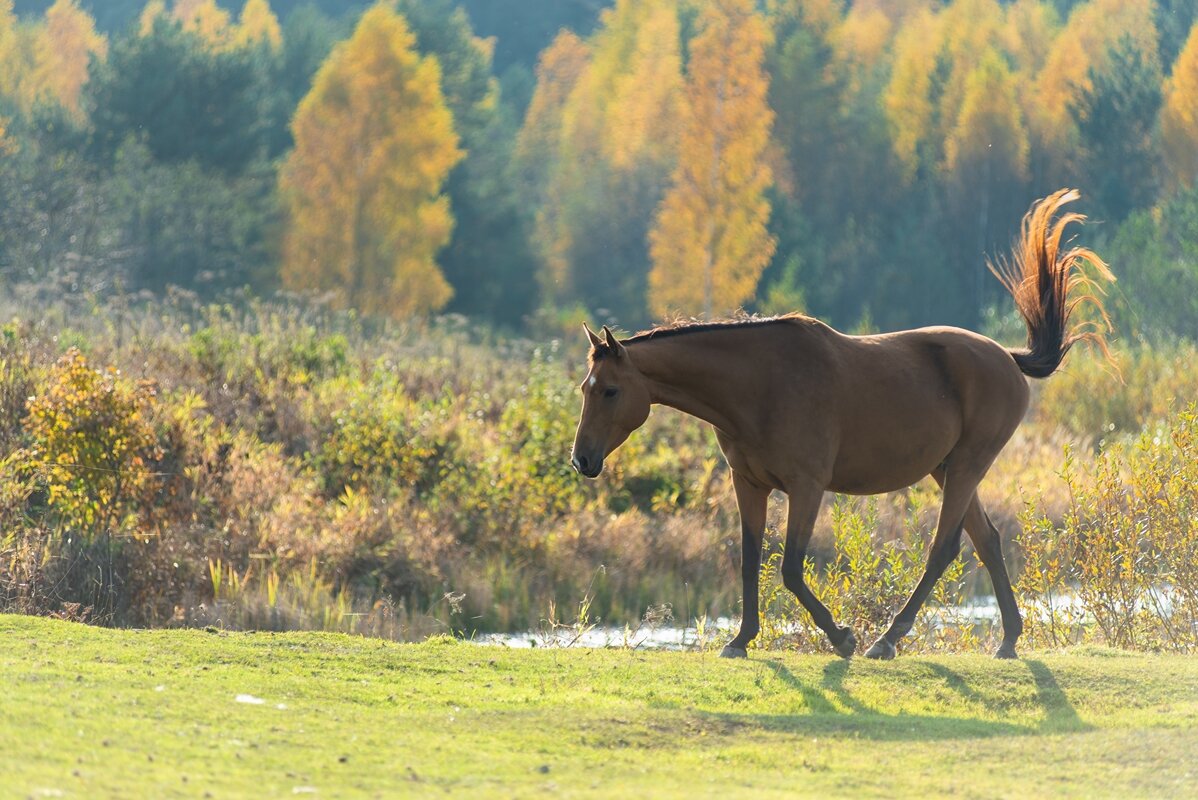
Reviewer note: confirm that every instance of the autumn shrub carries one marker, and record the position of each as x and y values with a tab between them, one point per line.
1093	398
367	476
91	437
372	434
1121	568
865	581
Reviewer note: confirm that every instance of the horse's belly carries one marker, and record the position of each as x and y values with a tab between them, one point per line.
886	463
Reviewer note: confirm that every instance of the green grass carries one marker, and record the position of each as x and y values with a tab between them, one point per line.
87	712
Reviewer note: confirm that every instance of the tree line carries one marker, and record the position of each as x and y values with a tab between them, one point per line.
634	160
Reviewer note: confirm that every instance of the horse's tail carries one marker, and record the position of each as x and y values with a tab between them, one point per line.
1040	278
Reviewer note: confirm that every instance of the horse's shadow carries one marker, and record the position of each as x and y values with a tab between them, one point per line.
833	708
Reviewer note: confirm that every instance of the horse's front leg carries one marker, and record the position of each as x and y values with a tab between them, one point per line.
751	502
804	508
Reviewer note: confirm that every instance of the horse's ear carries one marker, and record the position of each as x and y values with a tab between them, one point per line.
612	344
595	340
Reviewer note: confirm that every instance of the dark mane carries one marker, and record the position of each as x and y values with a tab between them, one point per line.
690	326
680	327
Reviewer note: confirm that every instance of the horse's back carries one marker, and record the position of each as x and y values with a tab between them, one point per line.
909	399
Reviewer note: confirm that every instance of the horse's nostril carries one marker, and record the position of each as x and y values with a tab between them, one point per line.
581	463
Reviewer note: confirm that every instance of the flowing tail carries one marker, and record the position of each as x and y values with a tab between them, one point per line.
1040	278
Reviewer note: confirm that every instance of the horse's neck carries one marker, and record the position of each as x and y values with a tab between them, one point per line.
689	374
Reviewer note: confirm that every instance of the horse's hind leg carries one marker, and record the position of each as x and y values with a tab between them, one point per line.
987	542
959	491
804	508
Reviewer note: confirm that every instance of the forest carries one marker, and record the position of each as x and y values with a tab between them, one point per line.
624	162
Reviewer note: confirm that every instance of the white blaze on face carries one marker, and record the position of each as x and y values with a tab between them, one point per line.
591	382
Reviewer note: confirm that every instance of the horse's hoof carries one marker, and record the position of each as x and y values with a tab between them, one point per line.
1006	650
733	652
847	646
881	650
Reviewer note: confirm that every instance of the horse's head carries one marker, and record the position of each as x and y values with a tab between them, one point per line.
615	402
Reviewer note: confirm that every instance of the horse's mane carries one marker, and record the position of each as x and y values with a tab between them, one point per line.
680	326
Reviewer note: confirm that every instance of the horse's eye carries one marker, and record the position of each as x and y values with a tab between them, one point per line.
611	391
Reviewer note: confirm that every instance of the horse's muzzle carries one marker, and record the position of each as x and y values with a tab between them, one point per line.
586	467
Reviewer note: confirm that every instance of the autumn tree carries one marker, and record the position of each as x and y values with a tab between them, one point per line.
1083	49
17	57
374	142
538	151
65	47
1179	117
985	172
615	142
258	25
710	243
205	19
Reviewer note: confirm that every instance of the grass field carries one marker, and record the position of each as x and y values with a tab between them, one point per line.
88	712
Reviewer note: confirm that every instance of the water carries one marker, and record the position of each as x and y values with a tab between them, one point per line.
980	611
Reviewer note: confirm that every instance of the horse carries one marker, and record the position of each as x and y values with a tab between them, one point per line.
801	408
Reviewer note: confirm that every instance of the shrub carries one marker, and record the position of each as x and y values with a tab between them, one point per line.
92	438
1122	567
865	582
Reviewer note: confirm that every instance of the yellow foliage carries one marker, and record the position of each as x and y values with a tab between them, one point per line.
710	244
1092	31
645	98
64	49
907	97
625	104
863	38
374	142
1028	34
258	25
17	57
558	70
989	128
1179	117
149	15
539	144
205	19
615	104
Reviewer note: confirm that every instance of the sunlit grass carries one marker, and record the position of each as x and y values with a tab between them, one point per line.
91	712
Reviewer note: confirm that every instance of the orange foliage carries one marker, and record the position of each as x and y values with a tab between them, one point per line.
1179	117
205	19
1092	31
63	51
258	25
374	142
710	243
989	128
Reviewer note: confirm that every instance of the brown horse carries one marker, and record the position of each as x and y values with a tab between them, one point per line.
804	409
